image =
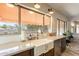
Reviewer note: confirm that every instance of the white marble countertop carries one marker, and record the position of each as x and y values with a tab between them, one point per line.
16	47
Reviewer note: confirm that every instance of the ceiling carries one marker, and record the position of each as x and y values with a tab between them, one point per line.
71	10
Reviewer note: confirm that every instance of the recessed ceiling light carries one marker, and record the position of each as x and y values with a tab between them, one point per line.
10	5
36	5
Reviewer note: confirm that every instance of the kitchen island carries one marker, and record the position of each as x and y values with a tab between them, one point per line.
49	46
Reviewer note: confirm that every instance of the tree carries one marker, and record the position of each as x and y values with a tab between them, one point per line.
4	26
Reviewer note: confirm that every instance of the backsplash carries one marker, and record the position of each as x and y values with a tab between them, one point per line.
9	38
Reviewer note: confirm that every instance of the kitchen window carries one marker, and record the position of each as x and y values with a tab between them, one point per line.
8	20
33	23
77	28
47	23
18	20
61	27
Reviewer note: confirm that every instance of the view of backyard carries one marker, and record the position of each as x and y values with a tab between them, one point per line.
8	28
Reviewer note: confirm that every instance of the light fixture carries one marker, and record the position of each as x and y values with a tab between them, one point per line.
10	5
36	5
50	11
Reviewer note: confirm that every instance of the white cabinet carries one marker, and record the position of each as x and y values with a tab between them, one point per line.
39	50
49	46
43	48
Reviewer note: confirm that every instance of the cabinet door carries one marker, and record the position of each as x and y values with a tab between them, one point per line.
39	50
49	49
42	54
63	44
57	47
25	53
50	53
50	46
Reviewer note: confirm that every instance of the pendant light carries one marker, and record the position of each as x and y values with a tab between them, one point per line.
36	5
50	11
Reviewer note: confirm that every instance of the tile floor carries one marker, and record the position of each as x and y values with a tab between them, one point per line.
72	49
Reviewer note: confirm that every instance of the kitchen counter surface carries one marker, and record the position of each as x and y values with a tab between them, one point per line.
16	47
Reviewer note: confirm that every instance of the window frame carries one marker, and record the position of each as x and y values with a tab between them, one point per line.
58	25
